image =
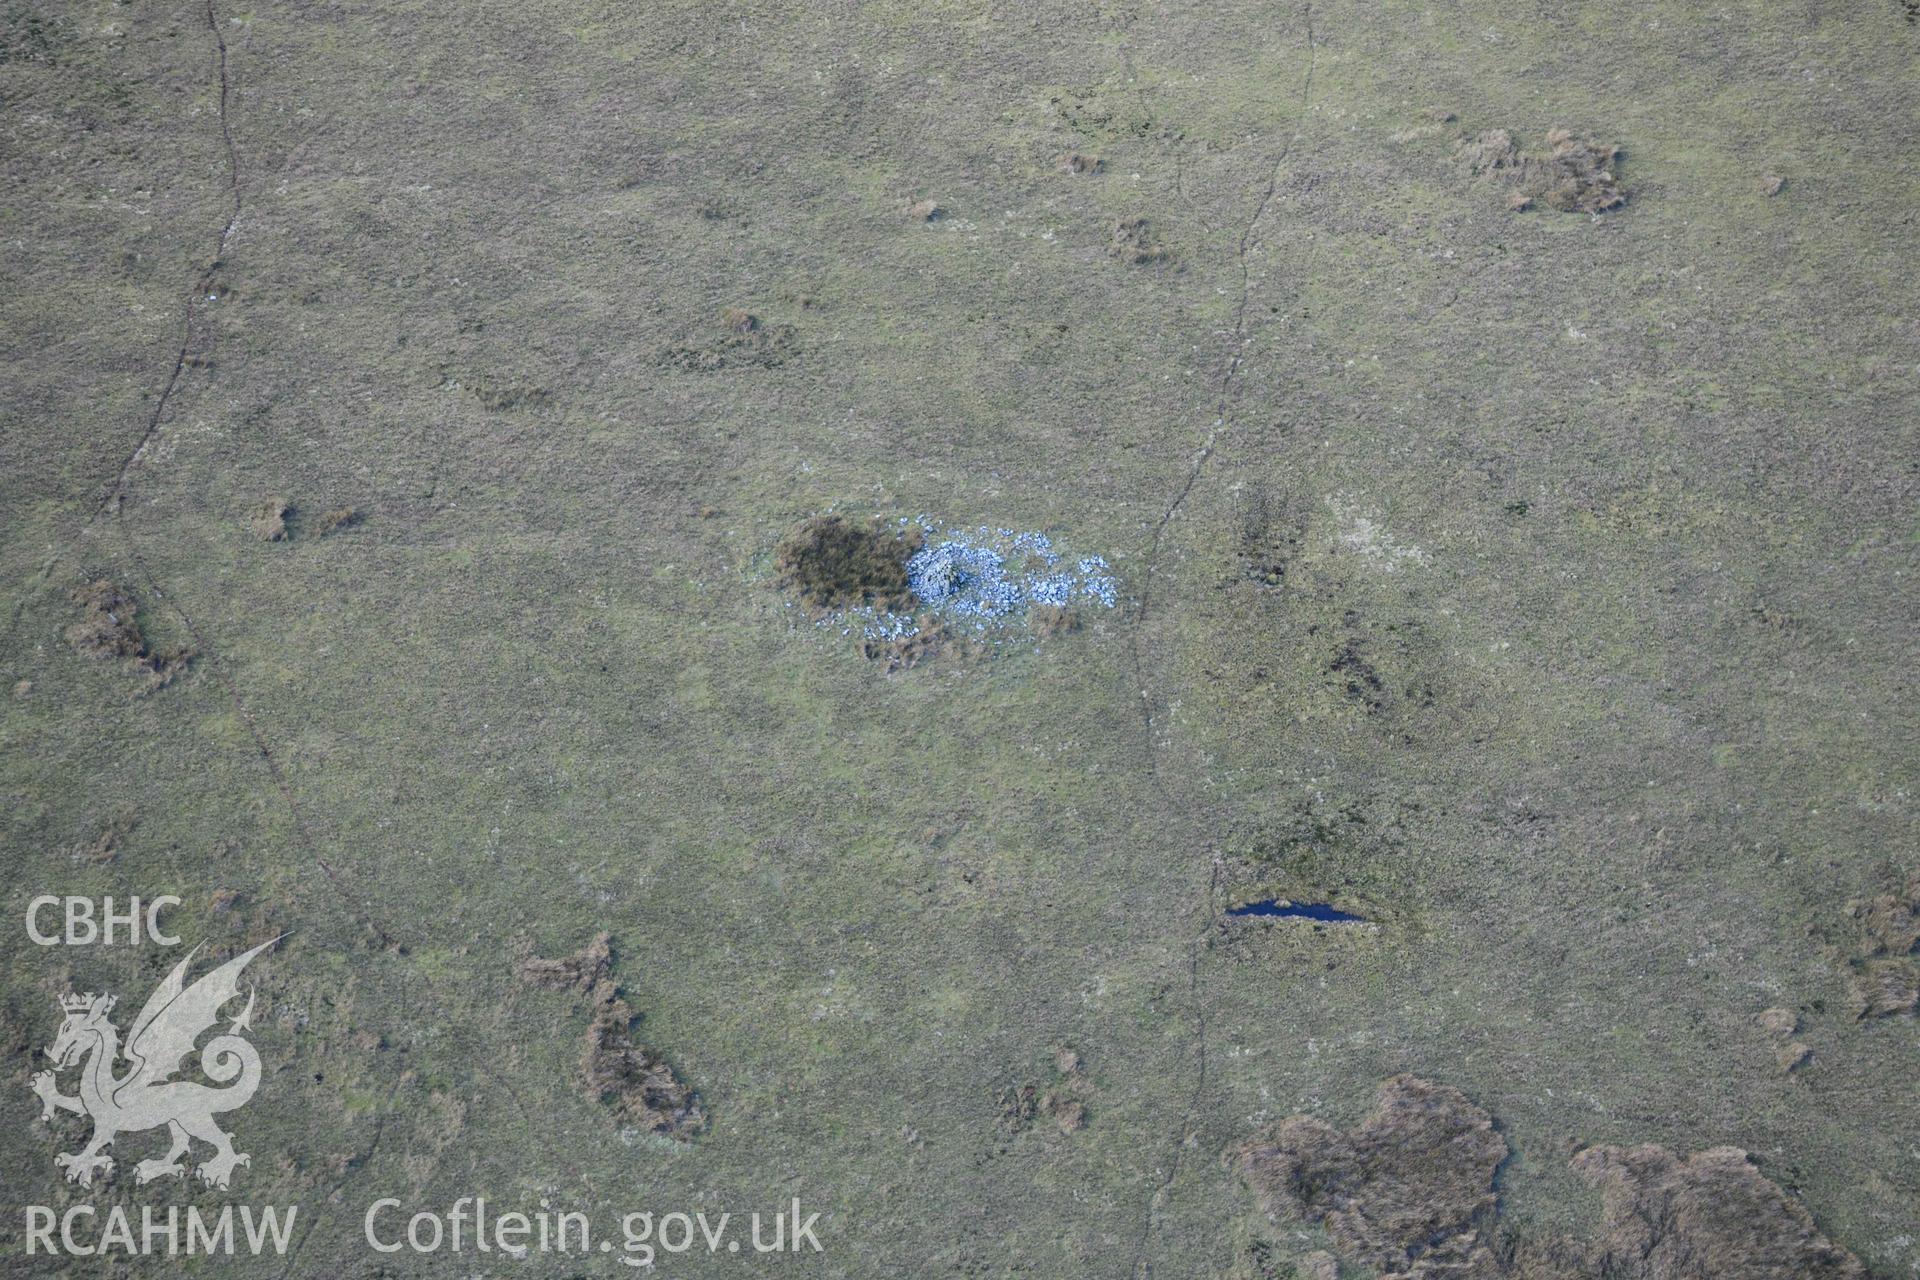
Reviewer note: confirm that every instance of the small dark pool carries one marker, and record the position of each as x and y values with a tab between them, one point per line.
1302	910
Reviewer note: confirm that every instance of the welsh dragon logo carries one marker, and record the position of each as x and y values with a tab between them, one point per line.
146	1096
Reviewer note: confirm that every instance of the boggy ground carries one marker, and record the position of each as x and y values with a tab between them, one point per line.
1536	580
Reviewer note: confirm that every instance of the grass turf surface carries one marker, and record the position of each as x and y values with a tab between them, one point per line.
1539	583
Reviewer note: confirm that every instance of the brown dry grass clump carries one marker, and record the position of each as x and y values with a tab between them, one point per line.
337	520
636	1082
500	394
1885	963
1780	1024
1890	922
1490	154
1576	176
582	971
1410	1194
109	627
1573	175
1885	987
833	563
1712	1216
1050	620
1019	1104
105	846
1133	241
745	340
907	652
1065	1100
269	520
1271	530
